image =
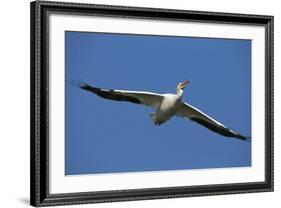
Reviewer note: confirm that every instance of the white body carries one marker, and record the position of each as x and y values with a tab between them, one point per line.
167	108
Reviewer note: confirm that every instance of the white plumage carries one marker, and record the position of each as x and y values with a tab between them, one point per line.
166	106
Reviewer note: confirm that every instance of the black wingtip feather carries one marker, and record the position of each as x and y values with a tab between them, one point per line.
106	93
222	131
77	82
248	139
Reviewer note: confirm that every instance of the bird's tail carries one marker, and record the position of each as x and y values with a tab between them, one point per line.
154	119
152	116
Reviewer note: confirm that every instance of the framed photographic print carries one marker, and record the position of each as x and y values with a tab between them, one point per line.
132	103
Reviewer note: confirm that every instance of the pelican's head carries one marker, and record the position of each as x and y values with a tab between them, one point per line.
182	85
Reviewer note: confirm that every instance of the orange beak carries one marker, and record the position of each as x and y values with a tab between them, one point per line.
185	83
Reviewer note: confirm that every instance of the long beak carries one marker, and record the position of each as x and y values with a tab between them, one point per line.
186	82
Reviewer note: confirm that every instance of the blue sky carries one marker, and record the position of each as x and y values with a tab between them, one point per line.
104	136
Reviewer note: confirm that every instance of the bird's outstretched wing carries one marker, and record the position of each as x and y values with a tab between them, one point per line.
188	111
137	97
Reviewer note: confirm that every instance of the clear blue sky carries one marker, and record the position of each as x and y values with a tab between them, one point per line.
105	136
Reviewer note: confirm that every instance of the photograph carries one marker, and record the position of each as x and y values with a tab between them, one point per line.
155	103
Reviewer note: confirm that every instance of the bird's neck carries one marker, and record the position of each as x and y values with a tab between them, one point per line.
180	92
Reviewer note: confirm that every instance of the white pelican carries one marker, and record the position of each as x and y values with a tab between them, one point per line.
166	106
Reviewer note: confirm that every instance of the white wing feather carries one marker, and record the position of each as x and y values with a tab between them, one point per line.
137	97
146	98
188	111
194	114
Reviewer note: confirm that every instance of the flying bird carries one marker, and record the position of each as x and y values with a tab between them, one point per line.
166	106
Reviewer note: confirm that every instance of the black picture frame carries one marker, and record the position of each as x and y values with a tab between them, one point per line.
39	187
